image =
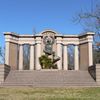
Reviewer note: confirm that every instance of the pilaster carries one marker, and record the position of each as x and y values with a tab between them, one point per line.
7	52
38	53
76	58
31	57
59	52
90	50
21	57
65	58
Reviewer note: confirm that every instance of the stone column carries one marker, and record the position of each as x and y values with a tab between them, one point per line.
59	53
38	54
90	54
31	57
65	58
7	53
76	58
21	57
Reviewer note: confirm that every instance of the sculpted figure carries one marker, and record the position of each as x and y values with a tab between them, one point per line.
48	50
48	41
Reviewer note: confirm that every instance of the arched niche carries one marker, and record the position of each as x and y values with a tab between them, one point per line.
48	34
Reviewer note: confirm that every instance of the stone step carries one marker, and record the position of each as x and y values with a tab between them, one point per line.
49	78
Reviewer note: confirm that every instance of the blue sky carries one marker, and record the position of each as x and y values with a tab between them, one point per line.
23	16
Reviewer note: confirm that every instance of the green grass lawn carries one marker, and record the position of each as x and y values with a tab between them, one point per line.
25	93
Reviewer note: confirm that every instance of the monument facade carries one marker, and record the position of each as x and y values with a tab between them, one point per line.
51	43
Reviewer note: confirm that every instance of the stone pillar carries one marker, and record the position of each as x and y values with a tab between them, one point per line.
21	57
65	58
59	53
90	53
7	53
83	48
31	57
38	54
76	58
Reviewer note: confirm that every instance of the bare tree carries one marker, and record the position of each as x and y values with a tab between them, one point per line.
90	20
2	55
34	31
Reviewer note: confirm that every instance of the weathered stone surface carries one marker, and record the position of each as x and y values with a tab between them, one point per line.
98	74
4	71
49	78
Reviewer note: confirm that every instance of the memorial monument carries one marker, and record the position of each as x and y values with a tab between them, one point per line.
49	43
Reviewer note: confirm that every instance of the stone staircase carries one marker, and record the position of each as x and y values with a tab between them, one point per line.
48	78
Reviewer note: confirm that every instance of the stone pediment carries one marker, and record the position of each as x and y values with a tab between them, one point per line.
48	32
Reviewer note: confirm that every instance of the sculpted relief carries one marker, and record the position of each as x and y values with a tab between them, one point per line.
50	54
48	41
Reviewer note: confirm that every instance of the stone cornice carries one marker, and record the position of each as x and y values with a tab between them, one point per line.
37	38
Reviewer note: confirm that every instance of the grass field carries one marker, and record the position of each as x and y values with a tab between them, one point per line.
25	93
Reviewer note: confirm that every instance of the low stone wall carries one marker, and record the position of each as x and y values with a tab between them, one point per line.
92	71
4	71
98	74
